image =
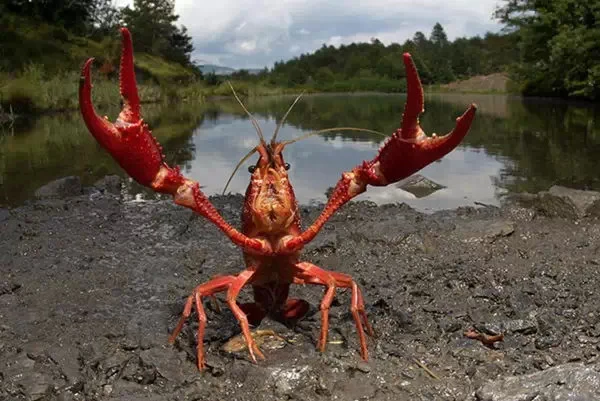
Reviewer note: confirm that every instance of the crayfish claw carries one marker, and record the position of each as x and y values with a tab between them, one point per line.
102	129
127	84
415	100
409	149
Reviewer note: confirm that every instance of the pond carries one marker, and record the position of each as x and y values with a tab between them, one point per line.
515	145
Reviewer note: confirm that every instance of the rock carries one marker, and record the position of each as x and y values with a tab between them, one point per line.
170	365
286	380
61	188
110	184
67	358
547	341
419	186
479	230
500	229
4	214
20	374
8	287
569	382
563	202
523	326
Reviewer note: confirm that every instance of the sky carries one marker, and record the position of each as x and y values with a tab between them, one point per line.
257	33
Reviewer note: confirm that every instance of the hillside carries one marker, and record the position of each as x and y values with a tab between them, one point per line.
24	43
40	64
496	82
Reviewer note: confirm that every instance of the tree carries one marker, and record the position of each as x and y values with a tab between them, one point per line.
74	15
559	45
212	79
152	23
439	55
438	36
105	19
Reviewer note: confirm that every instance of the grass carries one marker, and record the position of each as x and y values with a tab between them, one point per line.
36	91
40	65
40	69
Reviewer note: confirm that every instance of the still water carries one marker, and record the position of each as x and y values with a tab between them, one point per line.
515	145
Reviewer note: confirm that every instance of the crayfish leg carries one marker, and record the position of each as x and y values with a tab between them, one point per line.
312	274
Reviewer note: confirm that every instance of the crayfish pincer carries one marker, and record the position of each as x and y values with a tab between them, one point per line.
271	237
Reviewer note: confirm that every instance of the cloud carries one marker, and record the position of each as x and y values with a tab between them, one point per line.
245	34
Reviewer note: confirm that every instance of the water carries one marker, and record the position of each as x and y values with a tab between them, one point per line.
515	145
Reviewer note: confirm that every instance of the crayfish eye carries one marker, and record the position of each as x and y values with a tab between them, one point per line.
287	166
251	169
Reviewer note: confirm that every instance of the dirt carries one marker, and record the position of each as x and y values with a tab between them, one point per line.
481	83
93	284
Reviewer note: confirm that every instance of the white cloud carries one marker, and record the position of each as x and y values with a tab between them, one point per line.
241	33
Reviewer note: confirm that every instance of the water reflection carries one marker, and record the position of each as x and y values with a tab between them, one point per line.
514	145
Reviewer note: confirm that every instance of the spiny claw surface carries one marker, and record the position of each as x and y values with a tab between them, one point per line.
129	139
409	149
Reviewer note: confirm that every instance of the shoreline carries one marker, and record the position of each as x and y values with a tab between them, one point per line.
7	116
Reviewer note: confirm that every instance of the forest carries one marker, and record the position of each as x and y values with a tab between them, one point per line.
547	48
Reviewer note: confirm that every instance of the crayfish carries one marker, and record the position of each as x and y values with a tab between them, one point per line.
271	237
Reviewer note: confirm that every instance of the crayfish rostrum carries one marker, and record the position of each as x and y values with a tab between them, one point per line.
271	238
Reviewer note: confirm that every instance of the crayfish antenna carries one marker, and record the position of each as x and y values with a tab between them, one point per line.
253	151
274	138
254	122
328	130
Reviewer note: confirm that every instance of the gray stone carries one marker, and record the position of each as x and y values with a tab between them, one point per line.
170	365
523	326
479	230
20	373
67	358
563	202
4	214
286	380
569	382
61	188
419	186
110	184
7	287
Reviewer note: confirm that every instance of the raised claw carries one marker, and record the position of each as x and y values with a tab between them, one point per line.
129	139
409	149
127	84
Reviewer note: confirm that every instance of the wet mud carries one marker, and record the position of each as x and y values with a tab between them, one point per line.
92	285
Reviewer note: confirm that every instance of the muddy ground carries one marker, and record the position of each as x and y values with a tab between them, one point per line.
92	285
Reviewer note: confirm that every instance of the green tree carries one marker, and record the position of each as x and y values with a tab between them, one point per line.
73	15
438	36
439	54
375	66
324	75
105	19
152	23
559	45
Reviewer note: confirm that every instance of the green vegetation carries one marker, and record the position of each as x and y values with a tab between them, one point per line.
43	46
377	67
559	43
549	48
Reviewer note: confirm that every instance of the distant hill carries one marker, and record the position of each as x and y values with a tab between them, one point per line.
217	69
222	70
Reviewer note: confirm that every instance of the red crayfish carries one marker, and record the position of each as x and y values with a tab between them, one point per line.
271	238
